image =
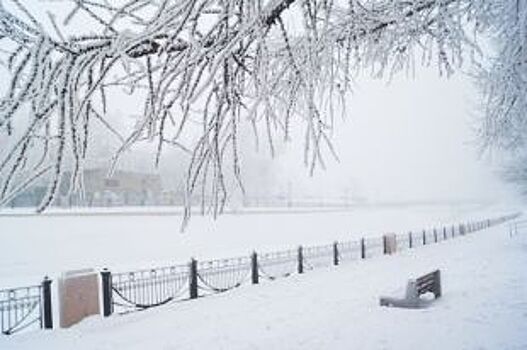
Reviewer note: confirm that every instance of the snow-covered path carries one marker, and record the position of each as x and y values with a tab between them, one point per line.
484	306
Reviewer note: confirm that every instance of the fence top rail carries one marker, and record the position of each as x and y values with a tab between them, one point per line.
355	243
221	263
373	240
282	254
155	271
318	248
7	294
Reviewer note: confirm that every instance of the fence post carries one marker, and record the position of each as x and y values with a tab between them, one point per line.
107	302
453	231
410	243
435	235
47	311
254	268
335	253
384	245
362	248
193	278
424	237
444	232
300	260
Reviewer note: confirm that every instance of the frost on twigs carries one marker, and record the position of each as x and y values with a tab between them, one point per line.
201	68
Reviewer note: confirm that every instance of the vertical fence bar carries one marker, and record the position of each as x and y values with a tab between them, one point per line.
47	311
410	243
254	268
107	302
300	260
193	278
435	235
362	248
424	237
335	253
444	232
384	245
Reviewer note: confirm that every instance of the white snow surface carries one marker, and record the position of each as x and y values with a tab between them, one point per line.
484	306
124	239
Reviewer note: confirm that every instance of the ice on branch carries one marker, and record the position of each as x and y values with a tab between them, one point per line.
201	68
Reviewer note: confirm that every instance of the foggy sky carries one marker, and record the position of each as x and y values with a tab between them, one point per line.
411	140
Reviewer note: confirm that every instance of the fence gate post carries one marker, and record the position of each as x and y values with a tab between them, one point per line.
47	312
362	248
410	243
335	253
300	260
424	237
254	268
193	278
107	302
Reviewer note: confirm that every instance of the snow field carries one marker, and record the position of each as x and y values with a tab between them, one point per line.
35	246
484	306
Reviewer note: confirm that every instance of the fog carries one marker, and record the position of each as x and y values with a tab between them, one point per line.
410	140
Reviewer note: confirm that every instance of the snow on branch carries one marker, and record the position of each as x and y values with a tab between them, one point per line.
201	68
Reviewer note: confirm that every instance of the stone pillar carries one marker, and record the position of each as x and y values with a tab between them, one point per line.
390	243
78	296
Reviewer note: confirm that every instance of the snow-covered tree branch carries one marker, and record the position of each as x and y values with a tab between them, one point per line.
203	67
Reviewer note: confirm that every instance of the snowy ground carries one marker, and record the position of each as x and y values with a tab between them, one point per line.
35	246
484	306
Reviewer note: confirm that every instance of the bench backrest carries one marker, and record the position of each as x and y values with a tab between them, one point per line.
430	282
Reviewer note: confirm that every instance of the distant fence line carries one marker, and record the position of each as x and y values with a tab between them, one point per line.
123	292
138	290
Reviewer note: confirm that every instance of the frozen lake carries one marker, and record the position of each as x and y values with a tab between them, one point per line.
33	246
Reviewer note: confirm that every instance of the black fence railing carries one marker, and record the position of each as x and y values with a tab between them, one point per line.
222	275
26	307
139	290
279	264
349	251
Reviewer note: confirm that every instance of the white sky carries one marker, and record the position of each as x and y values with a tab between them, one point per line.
412	139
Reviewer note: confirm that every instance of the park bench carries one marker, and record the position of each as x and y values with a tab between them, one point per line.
429	283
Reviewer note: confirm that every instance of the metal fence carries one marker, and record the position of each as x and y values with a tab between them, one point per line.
279	264
26	307
320	256
139	290
23	308
349	251
142	289
222	275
